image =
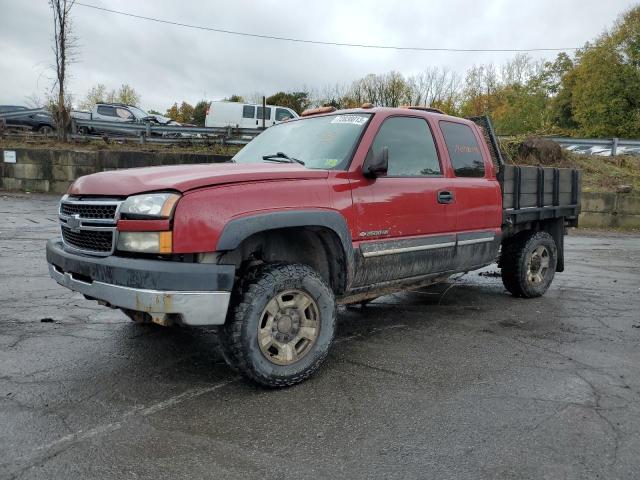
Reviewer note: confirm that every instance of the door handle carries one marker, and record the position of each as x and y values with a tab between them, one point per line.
445	196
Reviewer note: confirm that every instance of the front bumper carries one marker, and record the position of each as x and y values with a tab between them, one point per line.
187	293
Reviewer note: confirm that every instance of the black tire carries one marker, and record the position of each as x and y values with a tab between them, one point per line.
239	335
45	129
523	274
83	130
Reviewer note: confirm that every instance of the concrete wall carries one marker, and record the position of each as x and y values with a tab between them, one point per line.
610	210
52	171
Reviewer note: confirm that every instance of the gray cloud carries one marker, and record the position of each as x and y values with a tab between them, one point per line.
167	63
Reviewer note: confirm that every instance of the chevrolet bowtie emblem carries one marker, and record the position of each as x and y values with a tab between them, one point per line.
74	223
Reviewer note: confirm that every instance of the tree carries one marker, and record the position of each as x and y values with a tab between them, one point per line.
63	46
200	112
127	95
234	98
173	112
99	94
605	95
96	94
182	113
296	101
185	113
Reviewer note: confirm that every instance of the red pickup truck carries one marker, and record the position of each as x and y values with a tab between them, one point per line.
332	208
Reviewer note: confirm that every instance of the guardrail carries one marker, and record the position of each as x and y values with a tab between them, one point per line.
155	133
22	113
614	145
147	131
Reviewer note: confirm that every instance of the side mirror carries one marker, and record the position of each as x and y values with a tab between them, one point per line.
376	165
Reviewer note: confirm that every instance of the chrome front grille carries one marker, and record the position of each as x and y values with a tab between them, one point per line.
88	225
89	211
88	240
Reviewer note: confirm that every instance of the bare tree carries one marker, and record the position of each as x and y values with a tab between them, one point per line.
435	87
63	47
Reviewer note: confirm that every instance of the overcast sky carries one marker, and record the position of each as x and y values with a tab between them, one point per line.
166	63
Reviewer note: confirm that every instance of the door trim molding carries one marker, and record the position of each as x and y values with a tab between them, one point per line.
393	247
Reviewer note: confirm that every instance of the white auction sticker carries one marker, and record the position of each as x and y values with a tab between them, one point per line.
352	119
9	156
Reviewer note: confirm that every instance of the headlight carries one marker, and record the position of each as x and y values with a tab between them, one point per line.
149	205
145	242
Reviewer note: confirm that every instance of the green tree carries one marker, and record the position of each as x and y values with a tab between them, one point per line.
605	98
185	113
200	112
235	98
297	101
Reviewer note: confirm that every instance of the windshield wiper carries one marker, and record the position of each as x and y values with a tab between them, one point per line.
282	158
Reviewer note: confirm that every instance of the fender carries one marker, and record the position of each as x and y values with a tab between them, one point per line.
242	228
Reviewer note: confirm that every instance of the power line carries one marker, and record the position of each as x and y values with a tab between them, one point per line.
319	42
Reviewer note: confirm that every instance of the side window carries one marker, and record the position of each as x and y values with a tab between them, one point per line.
283	114
267	113
105	110
464	151
248	111
124	113
412	151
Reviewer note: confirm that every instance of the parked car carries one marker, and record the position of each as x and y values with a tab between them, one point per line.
246	115
162	120
628	151
600	151
580	149
38	121
111	112
331	208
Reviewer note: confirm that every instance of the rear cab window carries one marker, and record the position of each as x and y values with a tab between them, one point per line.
464	151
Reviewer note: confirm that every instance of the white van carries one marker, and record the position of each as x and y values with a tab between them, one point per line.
245	115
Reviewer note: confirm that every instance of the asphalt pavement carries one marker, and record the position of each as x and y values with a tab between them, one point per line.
458	381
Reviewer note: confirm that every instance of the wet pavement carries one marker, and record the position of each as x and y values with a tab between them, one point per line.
459	381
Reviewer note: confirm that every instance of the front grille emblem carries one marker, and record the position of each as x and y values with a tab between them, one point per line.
74	223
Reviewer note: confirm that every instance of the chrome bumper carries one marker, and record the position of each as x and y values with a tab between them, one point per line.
192	308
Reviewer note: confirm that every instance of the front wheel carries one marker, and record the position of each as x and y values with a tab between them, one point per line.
529	264
280	326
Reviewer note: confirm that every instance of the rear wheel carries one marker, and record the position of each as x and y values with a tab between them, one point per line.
280	326
529	264
45	129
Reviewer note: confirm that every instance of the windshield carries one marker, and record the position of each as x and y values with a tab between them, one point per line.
325	142
138	113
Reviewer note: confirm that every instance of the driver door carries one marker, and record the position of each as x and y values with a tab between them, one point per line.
406	218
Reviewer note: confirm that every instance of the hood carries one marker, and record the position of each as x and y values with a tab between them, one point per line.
187	177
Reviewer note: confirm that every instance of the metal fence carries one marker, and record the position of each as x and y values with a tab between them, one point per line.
599	146
156	133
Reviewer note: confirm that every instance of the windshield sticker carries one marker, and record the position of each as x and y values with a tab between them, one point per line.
330	162
352	119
